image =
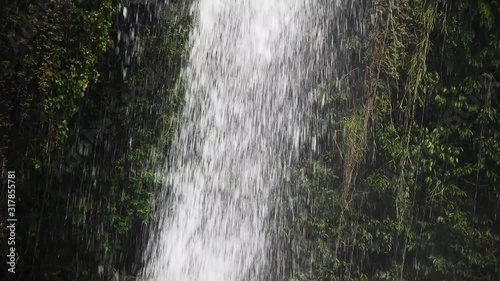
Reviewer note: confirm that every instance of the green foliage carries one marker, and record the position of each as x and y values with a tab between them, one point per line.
144	117
487	19
62	87
425	205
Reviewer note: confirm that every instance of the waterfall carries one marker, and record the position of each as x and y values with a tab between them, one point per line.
251	78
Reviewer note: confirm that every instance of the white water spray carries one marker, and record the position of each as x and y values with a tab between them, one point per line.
244	122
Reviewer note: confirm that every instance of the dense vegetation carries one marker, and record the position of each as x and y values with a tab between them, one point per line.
88	90
406	187
417	193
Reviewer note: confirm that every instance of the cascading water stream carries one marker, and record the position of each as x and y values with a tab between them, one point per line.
248	76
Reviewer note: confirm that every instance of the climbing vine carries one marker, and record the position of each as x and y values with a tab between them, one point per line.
425	204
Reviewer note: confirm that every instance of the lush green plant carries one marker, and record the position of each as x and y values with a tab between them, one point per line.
62	86
425	204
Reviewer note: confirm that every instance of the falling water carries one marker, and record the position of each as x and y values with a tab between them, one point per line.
249	88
